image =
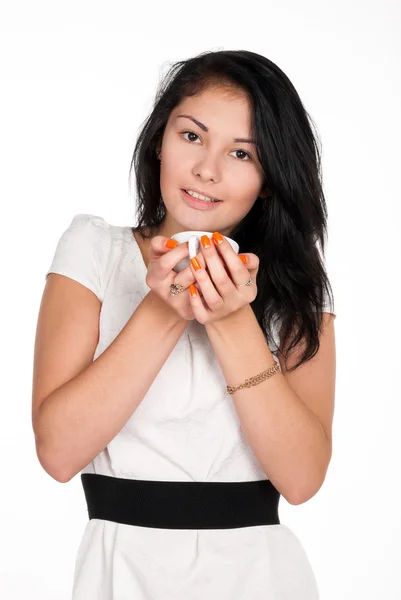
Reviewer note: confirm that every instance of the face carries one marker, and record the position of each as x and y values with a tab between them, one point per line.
209	161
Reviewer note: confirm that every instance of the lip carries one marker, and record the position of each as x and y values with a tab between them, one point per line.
199	204
202	193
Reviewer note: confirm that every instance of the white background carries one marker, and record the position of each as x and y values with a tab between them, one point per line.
77	81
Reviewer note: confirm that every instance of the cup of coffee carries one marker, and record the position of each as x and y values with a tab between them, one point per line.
194	244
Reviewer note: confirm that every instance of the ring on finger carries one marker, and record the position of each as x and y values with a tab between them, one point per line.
249	282
176	288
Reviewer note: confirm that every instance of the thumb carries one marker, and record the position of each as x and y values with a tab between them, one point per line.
160	245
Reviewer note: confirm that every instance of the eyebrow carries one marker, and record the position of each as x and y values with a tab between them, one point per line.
202	126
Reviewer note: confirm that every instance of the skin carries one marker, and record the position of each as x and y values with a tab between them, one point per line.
209	161
286	419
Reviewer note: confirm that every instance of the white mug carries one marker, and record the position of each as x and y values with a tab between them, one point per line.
193	239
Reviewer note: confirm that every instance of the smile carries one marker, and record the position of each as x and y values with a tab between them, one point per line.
198	203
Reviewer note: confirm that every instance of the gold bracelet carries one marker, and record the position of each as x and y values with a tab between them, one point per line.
256	379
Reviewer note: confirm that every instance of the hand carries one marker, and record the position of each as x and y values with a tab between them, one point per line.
221	296
160	275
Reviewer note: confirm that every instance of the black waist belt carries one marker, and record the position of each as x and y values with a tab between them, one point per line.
181	504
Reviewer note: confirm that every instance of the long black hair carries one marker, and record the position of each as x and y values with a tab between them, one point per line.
283	229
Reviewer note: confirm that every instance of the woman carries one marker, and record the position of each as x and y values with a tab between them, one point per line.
140	372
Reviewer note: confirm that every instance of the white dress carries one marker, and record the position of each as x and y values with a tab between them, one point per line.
188	432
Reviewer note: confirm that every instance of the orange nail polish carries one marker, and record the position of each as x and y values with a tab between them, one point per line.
243	258
192	289
171	243
218	237
205	241
195	263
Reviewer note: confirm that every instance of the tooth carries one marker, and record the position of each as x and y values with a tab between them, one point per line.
203	198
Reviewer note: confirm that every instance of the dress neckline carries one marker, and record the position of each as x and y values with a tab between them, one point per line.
134	241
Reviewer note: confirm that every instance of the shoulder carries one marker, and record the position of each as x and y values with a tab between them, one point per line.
86	226
89	222
83	251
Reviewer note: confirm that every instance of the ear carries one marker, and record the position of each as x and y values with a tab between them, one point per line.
158	149
265	192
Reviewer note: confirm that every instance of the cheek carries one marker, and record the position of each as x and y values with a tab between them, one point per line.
243	202
173	169
174	148
244	185
169	177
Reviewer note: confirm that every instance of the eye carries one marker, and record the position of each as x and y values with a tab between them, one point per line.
243	152
196	135
191	132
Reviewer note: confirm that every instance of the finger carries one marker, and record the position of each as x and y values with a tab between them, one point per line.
251	261
207	283
237	270
160	244
186	276
198	304
221	283
248	258
167	258
214	261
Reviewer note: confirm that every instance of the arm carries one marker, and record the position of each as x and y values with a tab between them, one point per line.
285	434
78	419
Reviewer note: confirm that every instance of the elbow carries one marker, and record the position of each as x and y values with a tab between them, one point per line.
306	492
61	477
58	472
302	496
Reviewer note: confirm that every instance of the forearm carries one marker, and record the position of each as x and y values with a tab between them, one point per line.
285	436
81	417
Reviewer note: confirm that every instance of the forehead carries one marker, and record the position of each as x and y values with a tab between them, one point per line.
218	109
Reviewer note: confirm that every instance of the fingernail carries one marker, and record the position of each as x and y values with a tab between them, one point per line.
171	243
195	263
243	258
218	237
192	289
205	241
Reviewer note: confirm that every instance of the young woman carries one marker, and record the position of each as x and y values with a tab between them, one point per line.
189	402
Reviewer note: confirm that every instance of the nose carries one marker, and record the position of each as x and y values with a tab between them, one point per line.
207	168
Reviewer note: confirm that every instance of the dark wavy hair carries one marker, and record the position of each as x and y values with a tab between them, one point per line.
283	230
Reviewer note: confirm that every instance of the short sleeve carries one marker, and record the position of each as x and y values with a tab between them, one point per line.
82	252
328	304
